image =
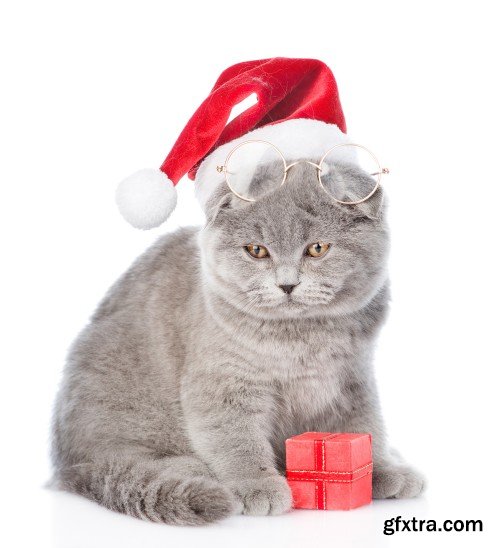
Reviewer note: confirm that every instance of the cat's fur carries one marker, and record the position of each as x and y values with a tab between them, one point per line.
178	396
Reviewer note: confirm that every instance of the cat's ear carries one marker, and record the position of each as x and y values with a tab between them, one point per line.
221	201
373	207
349	184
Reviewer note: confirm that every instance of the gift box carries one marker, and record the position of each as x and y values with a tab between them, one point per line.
329	471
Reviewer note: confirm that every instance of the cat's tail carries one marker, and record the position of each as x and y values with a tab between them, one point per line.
174	490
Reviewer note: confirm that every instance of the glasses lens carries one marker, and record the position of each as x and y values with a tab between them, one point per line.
350	173
254	169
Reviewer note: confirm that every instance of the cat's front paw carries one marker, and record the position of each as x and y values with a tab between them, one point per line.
264	496
396	481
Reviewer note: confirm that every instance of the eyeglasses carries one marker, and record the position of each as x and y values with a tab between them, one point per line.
348	172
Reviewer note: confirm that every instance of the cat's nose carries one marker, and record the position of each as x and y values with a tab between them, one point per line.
288	288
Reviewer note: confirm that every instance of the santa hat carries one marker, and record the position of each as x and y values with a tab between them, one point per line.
297	109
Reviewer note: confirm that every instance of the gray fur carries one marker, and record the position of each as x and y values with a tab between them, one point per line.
179	394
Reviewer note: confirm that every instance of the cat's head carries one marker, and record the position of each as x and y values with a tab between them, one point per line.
295	252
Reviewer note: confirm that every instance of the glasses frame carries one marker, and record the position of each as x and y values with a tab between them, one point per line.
381	171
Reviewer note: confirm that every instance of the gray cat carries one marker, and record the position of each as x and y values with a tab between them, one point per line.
217	345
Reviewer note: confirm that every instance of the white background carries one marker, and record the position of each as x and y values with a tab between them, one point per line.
92	91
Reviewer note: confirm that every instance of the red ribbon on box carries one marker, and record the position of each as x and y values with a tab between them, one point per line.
321	476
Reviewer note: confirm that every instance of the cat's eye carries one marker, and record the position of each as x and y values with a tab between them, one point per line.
257	251
318	249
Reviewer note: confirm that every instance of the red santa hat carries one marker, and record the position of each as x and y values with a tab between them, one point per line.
298	110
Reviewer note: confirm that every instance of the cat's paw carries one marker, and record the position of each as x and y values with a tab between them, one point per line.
264	496
396	481
196	501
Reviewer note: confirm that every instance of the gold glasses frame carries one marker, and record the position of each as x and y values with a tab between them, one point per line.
286	167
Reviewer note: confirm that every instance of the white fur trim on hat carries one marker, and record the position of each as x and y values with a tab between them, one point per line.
297	139
146	198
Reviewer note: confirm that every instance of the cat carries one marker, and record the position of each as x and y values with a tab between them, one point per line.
218	344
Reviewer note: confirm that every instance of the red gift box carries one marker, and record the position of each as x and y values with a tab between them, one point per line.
329	471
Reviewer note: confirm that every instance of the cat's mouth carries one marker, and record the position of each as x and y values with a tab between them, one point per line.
296	303
293	304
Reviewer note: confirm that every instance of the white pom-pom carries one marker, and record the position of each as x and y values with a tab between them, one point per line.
146	198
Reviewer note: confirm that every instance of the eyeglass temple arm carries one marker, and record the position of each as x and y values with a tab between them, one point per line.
385	171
